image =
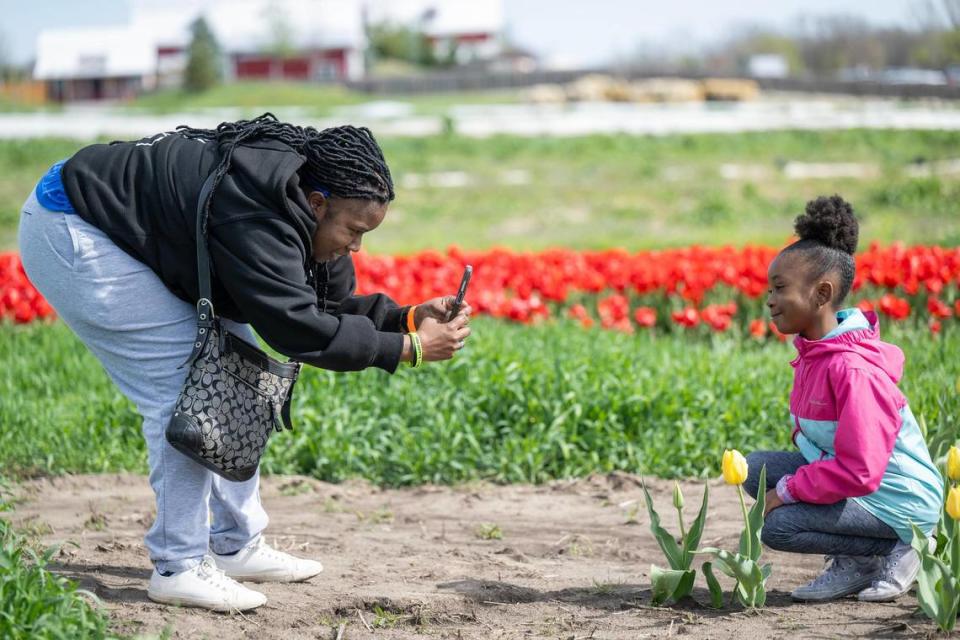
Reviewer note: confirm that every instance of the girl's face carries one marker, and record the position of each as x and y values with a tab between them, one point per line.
341	223
798	305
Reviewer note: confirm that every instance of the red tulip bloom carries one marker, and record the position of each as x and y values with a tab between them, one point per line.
782	337
894	307
688	317
938	308
645	316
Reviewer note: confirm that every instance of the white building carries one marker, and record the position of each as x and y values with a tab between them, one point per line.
305	40
300	40
768	65
92	64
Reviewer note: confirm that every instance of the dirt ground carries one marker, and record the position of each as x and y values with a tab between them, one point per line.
567	560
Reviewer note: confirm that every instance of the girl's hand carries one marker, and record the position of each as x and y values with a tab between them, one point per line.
772	502
439	309
440	341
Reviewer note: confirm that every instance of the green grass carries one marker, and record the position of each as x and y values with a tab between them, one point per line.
36	604
521	404
315	100
632	192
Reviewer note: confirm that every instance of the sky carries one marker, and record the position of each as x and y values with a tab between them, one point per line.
567	32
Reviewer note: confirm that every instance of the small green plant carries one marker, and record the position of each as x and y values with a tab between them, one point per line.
35	603
676	582
332	505
384	619
938	583
604	588
34	528
489	531
296	487
96	522
938	587
383	515
743	566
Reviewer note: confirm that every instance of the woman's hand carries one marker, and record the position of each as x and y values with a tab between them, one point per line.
440	341
439	309
772	502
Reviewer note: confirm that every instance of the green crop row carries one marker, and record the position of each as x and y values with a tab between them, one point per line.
520	404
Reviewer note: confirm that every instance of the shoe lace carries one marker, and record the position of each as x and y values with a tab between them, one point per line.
890	564
832	563
209	572
836	565
271	553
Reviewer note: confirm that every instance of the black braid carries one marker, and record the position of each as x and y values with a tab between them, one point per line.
346	160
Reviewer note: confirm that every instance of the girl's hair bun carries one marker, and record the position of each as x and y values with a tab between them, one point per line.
829	221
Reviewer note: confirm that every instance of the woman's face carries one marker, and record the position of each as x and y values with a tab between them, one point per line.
341	223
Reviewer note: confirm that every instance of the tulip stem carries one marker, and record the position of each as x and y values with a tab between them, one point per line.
683	532
746	522
955	551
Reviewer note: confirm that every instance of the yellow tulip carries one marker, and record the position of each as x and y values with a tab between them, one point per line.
953	464
734	467
953	503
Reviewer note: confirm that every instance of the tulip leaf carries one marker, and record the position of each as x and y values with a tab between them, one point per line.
692	541
936	585
755	521
675	556
749	575
759	596
716	591
670	584
927	595
919	541
740	567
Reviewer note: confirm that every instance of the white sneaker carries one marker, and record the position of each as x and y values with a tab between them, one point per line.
261	563
203	586
900	569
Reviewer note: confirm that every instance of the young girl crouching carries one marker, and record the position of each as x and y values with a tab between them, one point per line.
862	472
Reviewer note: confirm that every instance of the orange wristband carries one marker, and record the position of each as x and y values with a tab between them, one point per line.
411	325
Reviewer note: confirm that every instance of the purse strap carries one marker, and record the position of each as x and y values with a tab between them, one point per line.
206	320
205	315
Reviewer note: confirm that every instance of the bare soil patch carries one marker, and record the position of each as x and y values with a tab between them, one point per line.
566	560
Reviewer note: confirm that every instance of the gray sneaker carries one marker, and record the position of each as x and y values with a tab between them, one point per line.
900	569
843	576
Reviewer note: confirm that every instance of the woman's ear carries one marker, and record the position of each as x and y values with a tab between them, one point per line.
319	204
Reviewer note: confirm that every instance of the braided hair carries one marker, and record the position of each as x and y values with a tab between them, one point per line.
828	233
344	160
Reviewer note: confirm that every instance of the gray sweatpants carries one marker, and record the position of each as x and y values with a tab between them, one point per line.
842	528
141	333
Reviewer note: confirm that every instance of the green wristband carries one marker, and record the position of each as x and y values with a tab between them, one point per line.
417	350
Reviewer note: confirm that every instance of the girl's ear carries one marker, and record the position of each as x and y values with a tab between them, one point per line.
824	293
319	204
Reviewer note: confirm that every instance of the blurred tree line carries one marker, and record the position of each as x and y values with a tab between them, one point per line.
821	46
388	41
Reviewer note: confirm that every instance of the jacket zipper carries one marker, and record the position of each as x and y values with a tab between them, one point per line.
321	288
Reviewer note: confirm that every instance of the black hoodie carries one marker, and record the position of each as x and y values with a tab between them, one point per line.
143	195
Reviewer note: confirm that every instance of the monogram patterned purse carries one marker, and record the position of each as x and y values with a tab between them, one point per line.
235	395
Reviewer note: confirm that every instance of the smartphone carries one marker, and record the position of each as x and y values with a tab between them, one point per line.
461	292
